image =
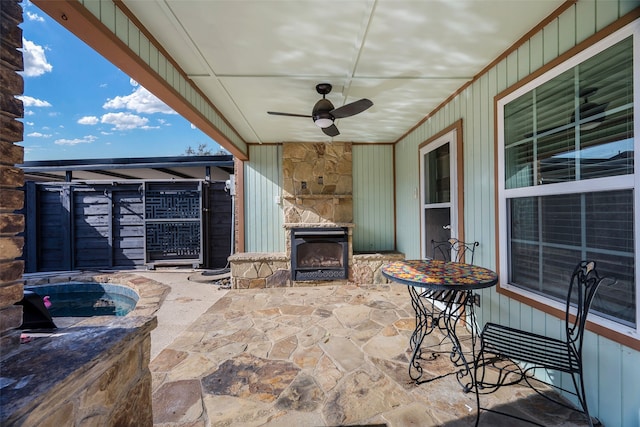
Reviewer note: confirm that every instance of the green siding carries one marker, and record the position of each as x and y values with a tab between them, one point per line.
611	370
263	216
373	198
407	202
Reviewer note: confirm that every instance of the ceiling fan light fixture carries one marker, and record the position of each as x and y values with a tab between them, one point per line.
323	120
324	114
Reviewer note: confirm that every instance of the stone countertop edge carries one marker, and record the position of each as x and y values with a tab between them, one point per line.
45	364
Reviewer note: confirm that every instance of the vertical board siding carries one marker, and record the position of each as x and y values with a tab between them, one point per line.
609	369
373	198
630	360
612	376
263	216
407	204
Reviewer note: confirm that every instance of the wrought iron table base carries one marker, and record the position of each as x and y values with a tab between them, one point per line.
446	321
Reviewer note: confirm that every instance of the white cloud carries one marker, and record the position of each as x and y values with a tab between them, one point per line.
84	140
39	135
35	61
34	17
30	101
125	121
88	120
29	113
140	101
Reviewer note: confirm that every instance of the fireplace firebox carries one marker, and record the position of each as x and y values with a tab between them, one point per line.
319	253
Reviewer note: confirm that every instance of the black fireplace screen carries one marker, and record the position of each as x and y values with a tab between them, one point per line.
319	253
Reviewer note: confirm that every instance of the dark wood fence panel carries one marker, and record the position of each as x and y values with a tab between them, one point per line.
91	228
128	227
219	220
81	226
52	230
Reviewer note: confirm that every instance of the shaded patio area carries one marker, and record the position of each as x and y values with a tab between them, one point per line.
317	356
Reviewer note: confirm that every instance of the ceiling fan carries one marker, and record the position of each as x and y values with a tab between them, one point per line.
323	113
587	110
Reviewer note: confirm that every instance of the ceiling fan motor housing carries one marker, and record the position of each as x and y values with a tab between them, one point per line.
321	113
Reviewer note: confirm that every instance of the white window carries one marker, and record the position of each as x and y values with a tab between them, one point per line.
567	179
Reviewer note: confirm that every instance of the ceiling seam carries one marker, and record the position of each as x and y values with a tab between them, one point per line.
345	94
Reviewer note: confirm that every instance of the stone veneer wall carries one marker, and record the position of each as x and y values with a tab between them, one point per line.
273	270
317	183
11	178
367	268
251	270
101	377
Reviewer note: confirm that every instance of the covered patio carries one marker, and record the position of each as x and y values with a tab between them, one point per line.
319	356
501	85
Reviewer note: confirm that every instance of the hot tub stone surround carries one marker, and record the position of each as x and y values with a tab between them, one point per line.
105	378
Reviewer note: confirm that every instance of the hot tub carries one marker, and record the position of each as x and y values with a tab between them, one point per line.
87	299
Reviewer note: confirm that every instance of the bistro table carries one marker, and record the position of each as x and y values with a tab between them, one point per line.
422	276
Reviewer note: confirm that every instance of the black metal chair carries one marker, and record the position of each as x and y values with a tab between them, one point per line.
502	347
450	250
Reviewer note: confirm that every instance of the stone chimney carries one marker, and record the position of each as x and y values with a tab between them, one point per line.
317	183
11	178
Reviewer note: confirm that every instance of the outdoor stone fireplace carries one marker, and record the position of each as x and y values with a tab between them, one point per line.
317	197
319	253
318	209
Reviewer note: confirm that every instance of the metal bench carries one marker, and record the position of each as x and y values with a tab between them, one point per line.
503	346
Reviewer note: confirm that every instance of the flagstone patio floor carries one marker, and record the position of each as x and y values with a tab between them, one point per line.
316	356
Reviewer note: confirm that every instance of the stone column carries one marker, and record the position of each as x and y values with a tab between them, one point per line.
11	178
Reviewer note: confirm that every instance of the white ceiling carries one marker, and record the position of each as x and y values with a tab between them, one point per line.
407	56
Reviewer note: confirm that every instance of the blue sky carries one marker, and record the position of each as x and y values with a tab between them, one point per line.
78	105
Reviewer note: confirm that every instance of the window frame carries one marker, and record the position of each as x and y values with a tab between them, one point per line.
614	330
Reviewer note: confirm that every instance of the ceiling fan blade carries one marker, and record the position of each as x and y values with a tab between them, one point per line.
331	131
275	113
351	109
